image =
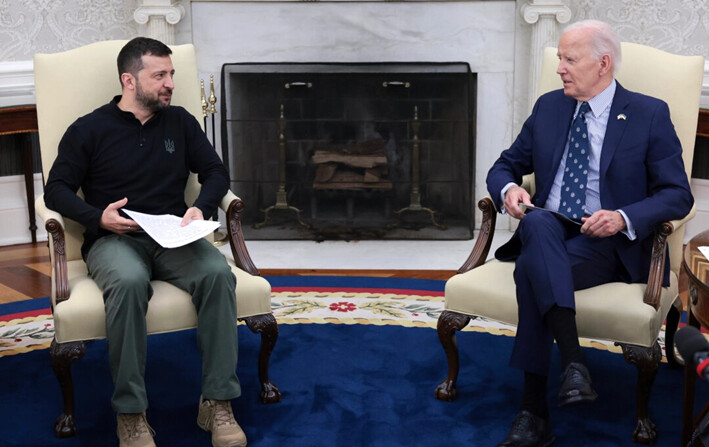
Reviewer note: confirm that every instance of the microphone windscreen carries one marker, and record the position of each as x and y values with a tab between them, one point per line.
689	341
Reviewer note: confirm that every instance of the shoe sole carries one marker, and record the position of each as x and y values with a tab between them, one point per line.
240	445
578	400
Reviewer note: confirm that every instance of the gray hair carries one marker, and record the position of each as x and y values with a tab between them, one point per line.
603	41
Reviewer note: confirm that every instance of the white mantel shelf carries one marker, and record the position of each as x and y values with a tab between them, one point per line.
341	1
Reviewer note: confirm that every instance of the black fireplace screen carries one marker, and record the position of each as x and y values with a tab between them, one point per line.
351	151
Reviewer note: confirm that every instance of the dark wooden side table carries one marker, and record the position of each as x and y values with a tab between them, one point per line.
23	120
703	123
696	265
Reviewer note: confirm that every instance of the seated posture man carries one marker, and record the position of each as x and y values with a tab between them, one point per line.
607	158
138	151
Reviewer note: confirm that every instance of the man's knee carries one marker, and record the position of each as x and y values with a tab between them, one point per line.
540	224
128	289
216	271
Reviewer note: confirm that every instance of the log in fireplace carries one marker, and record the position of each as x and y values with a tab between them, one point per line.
351	150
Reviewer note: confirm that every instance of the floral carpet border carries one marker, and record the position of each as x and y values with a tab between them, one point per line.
422	310
26	334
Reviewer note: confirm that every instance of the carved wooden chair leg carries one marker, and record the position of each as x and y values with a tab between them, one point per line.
647	361
448	323
671	325
62	354
268	328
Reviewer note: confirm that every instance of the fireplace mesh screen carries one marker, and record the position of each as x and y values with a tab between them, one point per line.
351	151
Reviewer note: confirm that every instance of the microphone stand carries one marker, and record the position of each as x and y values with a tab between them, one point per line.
700	437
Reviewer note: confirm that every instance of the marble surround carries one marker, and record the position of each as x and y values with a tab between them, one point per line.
481	33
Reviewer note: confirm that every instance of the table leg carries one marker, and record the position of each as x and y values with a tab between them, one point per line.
690	377
29	183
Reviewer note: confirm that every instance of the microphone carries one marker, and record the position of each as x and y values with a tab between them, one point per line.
694	347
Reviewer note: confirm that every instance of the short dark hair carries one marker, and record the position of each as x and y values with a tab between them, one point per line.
130	57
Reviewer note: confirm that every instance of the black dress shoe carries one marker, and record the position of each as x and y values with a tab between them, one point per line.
529	430
576	385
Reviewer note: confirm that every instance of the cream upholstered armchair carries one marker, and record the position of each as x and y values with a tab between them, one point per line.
629	314
72	84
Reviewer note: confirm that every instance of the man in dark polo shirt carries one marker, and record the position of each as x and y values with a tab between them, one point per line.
137	151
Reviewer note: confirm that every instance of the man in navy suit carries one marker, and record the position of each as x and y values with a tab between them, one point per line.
623	148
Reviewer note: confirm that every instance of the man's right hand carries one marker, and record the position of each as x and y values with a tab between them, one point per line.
513	197
112	221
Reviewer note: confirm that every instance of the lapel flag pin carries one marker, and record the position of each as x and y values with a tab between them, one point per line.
621	117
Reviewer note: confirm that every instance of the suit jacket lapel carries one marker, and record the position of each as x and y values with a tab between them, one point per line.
615	129
563	117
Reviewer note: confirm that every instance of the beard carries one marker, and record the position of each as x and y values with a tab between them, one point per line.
151	103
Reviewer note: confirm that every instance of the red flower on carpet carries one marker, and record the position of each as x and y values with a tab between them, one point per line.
343	306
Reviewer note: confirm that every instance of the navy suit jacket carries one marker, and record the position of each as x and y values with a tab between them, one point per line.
641	168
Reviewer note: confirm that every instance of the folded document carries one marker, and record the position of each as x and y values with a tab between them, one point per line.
559	215
166	230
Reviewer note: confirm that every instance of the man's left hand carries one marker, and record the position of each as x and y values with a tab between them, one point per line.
191	214
603	223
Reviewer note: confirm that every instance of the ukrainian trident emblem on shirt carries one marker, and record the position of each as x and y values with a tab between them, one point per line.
169	145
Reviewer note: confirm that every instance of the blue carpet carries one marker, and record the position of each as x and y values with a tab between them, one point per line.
357	282
342	385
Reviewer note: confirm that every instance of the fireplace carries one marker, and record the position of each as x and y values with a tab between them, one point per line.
351	150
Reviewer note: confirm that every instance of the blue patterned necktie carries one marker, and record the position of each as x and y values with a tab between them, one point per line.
573	186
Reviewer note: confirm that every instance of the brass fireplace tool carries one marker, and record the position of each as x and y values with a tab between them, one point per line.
415	197
281	196
220	237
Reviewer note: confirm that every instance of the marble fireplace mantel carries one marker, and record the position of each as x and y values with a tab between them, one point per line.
481	33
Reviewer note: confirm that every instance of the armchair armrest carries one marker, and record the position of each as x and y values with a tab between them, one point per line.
233	206
54	223
478	255
676	224
657	264
487	231
45	213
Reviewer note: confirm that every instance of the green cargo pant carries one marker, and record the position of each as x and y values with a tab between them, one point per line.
123	266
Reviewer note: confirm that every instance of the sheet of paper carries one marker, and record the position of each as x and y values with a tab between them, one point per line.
165	229
705	251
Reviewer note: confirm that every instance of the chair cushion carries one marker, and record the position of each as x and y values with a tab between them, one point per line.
82	316
613	311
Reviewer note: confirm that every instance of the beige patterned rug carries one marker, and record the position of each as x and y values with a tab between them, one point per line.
30	330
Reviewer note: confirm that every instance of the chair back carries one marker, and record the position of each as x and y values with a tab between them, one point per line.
673	78
73	83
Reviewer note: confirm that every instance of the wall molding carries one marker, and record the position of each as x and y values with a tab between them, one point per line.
16	83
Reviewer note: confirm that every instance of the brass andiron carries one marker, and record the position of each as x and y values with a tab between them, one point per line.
212	98
204	104
415	197
220	237
281	199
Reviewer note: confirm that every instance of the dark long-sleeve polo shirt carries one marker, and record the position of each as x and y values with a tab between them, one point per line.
110	155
